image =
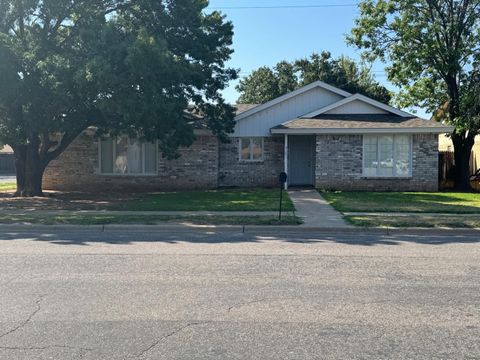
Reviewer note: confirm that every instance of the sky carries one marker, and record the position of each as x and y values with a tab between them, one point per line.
265	36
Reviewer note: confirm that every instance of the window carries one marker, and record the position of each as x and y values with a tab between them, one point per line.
251	149
387	156
125	156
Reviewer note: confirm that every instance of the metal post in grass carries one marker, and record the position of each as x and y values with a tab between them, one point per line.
282	179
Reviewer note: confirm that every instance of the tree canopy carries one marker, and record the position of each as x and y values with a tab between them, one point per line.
265	83
123	66
433	48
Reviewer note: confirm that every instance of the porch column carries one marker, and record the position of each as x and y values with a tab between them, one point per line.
285	160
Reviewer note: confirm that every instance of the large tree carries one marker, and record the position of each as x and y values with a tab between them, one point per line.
433	47
265	84
123	66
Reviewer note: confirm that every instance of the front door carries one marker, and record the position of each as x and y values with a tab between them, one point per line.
301	160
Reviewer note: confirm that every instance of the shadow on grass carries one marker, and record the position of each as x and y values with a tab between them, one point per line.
258	199
213	236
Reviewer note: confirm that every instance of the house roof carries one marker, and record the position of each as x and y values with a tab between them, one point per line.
241	108
365	123
199	121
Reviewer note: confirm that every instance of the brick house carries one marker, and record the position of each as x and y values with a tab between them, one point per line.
319	135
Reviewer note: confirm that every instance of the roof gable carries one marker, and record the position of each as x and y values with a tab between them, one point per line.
357	104
269	104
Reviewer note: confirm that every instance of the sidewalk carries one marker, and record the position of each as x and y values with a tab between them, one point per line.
143	213
315	211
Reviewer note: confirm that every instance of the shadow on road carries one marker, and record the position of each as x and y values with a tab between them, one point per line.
85	238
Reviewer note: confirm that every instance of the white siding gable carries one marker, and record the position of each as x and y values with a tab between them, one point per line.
356	107
260	123
361	105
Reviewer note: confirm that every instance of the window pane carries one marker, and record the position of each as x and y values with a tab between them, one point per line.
121	162
402	155
135	157
244	148
150	158
106	153
257	148
370	162
385	149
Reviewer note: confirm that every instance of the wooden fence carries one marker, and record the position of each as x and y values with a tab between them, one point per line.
446	169
7	164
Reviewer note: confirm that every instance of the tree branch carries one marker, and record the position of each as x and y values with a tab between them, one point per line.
67	139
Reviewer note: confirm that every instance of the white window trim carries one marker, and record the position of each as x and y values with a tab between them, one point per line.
394	176
114	151
251	160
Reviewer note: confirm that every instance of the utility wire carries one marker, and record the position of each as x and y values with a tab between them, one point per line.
280	7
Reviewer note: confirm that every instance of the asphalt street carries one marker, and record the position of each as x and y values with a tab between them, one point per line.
7	179
208	295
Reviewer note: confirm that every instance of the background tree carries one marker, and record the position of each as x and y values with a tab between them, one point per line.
123	66
260	86
265	84
433	48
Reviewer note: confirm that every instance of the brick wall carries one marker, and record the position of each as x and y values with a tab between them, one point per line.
77	169
339	165
208	164
233	172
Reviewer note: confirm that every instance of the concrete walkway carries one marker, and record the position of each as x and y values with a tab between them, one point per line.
315	211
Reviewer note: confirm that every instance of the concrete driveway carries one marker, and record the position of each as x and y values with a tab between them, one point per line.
207	295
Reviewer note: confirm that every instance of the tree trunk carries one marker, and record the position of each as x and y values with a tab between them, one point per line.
463	149
29	169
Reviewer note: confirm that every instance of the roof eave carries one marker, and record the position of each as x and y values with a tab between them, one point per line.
351	131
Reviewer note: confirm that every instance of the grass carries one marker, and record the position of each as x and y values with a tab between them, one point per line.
415	202
217	200
414	221
144	220
8	186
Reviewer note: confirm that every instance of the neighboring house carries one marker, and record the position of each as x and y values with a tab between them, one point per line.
7	161
320	135
445	144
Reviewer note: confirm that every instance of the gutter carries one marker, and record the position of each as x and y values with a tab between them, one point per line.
361	131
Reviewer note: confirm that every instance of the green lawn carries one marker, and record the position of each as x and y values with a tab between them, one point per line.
414	221
417	202
215	200
76	219
8	186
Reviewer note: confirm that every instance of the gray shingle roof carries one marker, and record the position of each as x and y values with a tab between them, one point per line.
244	107
199	121
364	121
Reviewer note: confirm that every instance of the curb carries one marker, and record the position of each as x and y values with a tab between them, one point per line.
252	229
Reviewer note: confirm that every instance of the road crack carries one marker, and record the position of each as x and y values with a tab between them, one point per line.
29	318
157	342
239	305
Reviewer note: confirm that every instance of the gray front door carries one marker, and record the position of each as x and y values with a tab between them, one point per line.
301	160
